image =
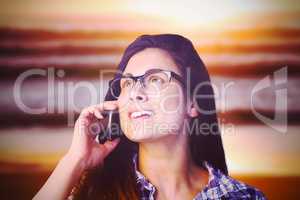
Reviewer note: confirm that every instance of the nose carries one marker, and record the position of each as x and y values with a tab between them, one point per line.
137	93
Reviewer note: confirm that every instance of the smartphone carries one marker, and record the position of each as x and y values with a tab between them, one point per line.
109	132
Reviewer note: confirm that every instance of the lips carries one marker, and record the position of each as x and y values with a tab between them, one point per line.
140	114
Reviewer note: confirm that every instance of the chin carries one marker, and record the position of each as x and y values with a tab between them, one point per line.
146	136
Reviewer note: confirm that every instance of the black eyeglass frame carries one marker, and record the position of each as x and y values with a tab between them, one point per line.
141	79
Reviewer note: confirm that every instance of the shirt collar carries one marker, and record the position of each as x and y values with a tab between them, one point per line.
218	183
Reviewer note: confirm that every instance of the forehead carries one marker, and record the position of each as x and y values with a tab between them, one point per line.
150	58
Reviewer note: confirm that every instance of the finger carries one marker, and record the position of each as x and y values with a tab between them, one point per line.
98	114
107	105
87	123
94	111
85	113
90	113
82	124
111	145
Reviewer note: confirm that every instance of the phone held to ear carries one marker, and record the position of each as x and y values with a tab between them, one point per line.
108	133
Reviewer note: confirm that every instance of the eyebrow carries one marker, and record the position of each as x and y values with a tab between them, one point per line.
131	75
127	74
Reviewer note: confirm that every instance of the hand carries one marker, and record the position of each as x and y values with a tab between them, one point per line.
84	148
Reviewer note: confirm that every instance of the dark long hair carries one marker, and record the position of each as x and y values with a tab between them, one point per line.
116	179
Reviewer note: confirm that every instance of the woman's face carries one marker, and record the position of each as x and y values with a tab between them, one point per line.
148	116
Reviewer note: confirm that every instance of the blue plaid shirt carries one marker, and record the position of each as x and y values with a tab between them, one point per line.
219	187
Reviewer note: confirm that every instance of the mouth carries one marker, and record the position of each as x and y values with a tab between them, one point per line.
140	114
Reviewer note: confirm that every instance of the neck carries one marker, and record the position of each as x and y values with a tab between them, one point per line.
167	163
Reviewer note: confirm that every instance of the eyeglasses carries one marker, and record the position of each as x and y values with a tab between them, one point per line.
153	81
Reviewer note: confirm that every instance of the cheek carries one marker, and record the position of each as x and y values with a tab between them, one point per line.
172	102
123	111
171	110
123	103
126	125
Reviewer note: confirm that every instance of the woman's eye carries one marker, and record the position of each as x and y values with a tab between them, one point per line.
156	80
126	84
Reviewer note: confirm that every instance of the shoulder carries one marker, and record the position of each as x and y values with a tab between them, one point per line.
241	190
222	186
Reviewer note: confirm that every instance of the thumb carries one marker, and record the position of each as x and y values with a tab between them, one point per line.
111	145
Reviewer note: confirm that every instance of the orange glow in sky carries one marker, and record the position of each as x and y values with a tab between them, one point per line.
278	154
143	14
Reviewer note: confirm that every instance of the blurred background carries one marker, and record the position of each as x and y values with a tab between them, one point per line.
56	57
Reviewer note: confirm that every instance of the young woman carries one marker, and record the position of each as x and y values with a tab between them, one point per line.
170	147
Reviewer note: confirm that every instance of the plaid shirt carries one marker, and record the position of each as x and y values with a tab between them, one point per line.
219	187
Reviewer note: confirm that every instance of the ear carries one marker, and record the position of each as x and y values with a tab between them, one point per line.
192	110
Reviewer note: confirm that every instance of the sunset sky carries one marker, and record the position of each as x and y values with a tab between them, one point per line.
252	149
143	14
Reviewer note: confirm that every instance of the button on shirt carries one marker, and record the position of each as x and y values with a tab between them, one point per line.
219	187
